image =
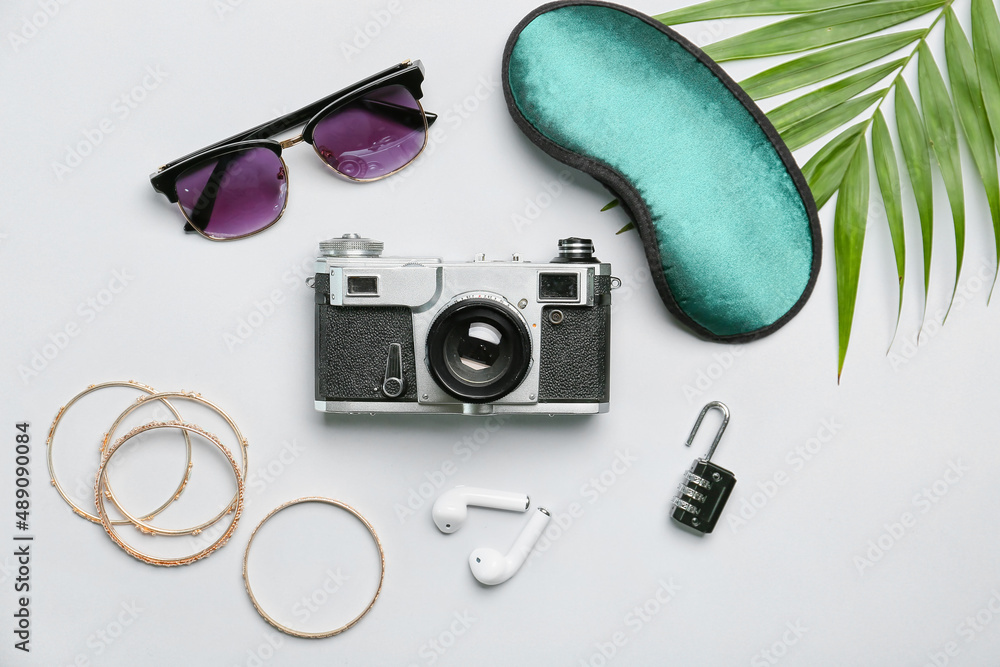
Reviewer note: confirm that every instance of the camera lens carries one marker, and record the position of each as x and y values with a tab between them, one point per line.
478	350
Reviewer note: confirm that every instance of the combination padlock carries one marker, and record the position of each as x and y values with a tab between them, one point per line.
706	487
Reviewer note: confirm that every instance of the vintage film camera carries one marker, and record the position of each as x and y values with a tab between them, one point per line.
412	334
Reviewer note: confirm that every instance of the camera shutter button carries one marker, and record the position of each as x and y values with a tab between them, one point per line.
351	245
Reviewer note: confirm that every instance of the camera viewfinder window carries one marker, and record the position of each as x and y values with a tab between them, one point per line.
362	285
558	286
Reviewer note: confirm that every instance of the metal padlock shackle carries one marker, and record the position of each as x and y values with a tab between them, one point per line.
720	406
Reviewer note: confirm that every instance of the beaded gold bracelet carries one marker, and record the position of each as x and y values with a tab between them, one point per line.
51	437
99	495
143	523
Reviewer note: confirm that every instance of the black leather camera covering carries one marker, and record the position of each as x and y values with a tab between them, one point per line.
575	359
352	344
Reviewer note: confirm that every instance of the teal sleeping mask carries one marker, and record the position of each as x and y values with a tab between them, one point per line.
726	218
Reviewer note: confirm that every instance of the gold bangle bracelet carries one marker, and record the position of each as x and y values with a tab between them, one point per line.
330	633
131	384
143	524
102	510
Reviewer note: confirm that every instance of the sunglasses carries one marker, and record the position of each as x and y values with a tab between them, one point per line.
239	187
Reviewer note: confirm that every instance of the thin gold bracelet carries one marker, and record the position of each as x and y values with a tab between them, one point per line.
99	485
143	524
52	469
330	633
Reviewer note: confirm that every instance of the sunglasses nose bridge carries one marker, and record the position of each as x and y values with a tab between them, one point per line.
288	143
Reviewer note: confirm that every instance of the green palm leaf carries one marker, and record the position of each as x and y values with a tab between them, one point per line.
825	171
887	172
916	151
849	224
939	119
972	115
827	97
814	127
811	31
716	9
826	64
986	46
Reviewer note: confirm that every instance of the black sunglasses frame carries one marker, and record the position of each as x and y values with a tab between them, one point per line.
407	74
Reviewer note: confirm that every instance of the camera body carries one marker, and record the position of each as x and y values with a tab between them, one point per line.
420	335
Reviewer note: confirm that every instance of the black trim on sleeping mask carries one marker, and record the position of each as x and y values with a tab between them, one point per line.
629	197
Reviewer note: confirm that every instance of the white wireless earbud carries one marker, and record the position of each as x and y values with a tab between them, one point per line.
491	567
451	507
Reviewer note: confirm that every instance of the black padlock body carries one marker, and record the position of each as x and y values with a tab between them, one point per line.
721	483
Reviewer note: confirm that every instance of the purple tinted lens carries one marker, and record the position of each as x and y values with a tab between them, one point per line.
372	136
234	195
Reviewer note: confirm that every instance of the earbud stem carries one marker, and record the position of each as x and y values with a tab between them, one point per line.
526	540
501	500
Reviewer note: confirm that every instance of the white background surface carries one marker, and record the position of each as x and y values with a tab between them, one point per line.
900	421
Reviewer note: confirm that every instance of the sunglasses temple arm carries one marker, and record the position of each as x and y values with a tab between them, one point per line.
264	131
201	214
403	111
